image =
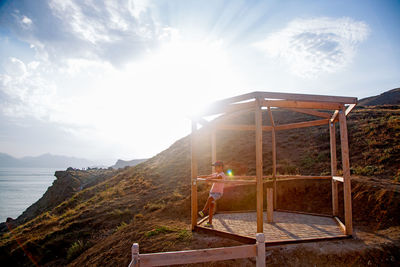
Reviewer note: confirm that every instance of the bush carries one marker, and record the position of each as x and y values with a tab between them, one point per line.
75	250
121	226
159	230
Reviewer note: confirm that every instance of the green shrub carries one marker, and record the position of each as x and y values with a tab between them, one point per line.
121	226
185	235
159	230
75	250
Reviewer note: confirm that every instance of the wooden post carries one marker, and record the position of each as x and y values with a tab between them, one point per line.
273	141
259	166
194	174
260	238
135	256
270	206
346	172
335	199
213	148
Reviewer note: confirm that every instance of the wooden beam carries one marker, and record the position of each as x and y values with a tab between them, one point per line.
341	225
260	243
259	166
311	112
194	174
304	176
196	256
273	143
334	116
203	121
337	178
346	172
298	104
335	198
349	109
236	127
226	181
307	97
301	124
135	255
241	127
283	96
229	108
270	204
213	148
234	99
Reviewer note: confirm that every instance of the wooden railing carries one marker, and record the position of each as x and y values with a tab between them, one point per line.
202	255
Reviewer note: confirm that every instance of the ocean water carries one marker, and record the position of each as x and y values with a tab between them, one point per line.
21	187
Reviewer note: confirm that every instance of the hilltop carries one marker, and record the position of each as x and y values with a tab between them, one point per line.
150	203
124	163
391	97
44	161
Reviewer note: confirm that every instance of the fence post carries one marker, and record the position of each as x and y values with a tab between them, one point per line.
260	250
135	256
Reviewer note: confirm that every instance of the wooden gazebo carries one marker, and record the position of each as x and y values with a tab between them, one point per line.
329	110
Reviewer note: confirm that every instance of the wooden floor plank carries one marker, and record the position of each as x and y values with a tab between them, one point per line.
287	227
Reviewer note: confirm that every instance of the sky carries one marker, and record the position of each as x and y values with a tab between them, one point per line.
104	80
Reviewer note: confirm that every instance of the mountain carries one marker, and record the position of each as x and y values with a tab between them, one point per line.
44	161
130	163
150	203
391	97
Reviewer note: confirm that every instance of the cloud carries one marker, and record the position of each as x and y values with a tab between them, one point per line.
314	46
113	31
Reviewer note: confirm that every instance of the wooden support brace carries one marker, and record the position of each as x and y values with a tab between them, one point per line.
346	172
335	199
338	179
135	256
301	124
273	141
194	175
270	206
260	243
213	148
300	104
259	166
311	112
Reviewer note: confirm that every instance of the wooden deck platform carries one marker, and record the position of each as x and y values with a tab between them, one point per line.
287	227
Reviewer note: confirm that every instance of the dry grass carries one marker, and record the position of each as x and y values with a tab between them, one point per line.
150	203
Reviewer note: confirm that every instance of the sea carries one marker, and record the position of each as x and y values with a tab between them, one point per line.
21	187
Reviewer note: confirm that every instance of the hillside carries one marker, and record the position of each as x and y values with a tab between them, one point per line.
124	163
391	97
150	203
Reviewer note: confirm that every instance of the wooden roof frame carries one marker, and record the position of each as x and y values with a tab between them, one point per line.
339	106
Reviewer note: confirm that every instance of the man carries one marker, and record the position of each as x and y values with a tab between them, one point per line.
216	191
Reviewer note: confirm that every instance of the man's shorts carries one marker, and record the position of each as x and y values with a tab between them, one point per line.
215	196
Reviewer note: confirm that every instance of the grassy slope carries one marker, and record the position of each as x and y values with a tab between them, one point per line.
150	203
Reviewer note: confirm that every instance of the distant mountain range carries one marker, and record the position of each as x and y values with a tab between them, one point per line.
45	161
391	97
123	163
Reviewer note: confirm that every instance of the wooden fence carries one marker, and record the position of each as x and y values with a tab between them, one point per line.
202	255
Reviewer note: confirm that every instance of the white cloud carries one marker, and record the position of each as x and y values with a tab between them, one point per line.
314	46
14	67
27	21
